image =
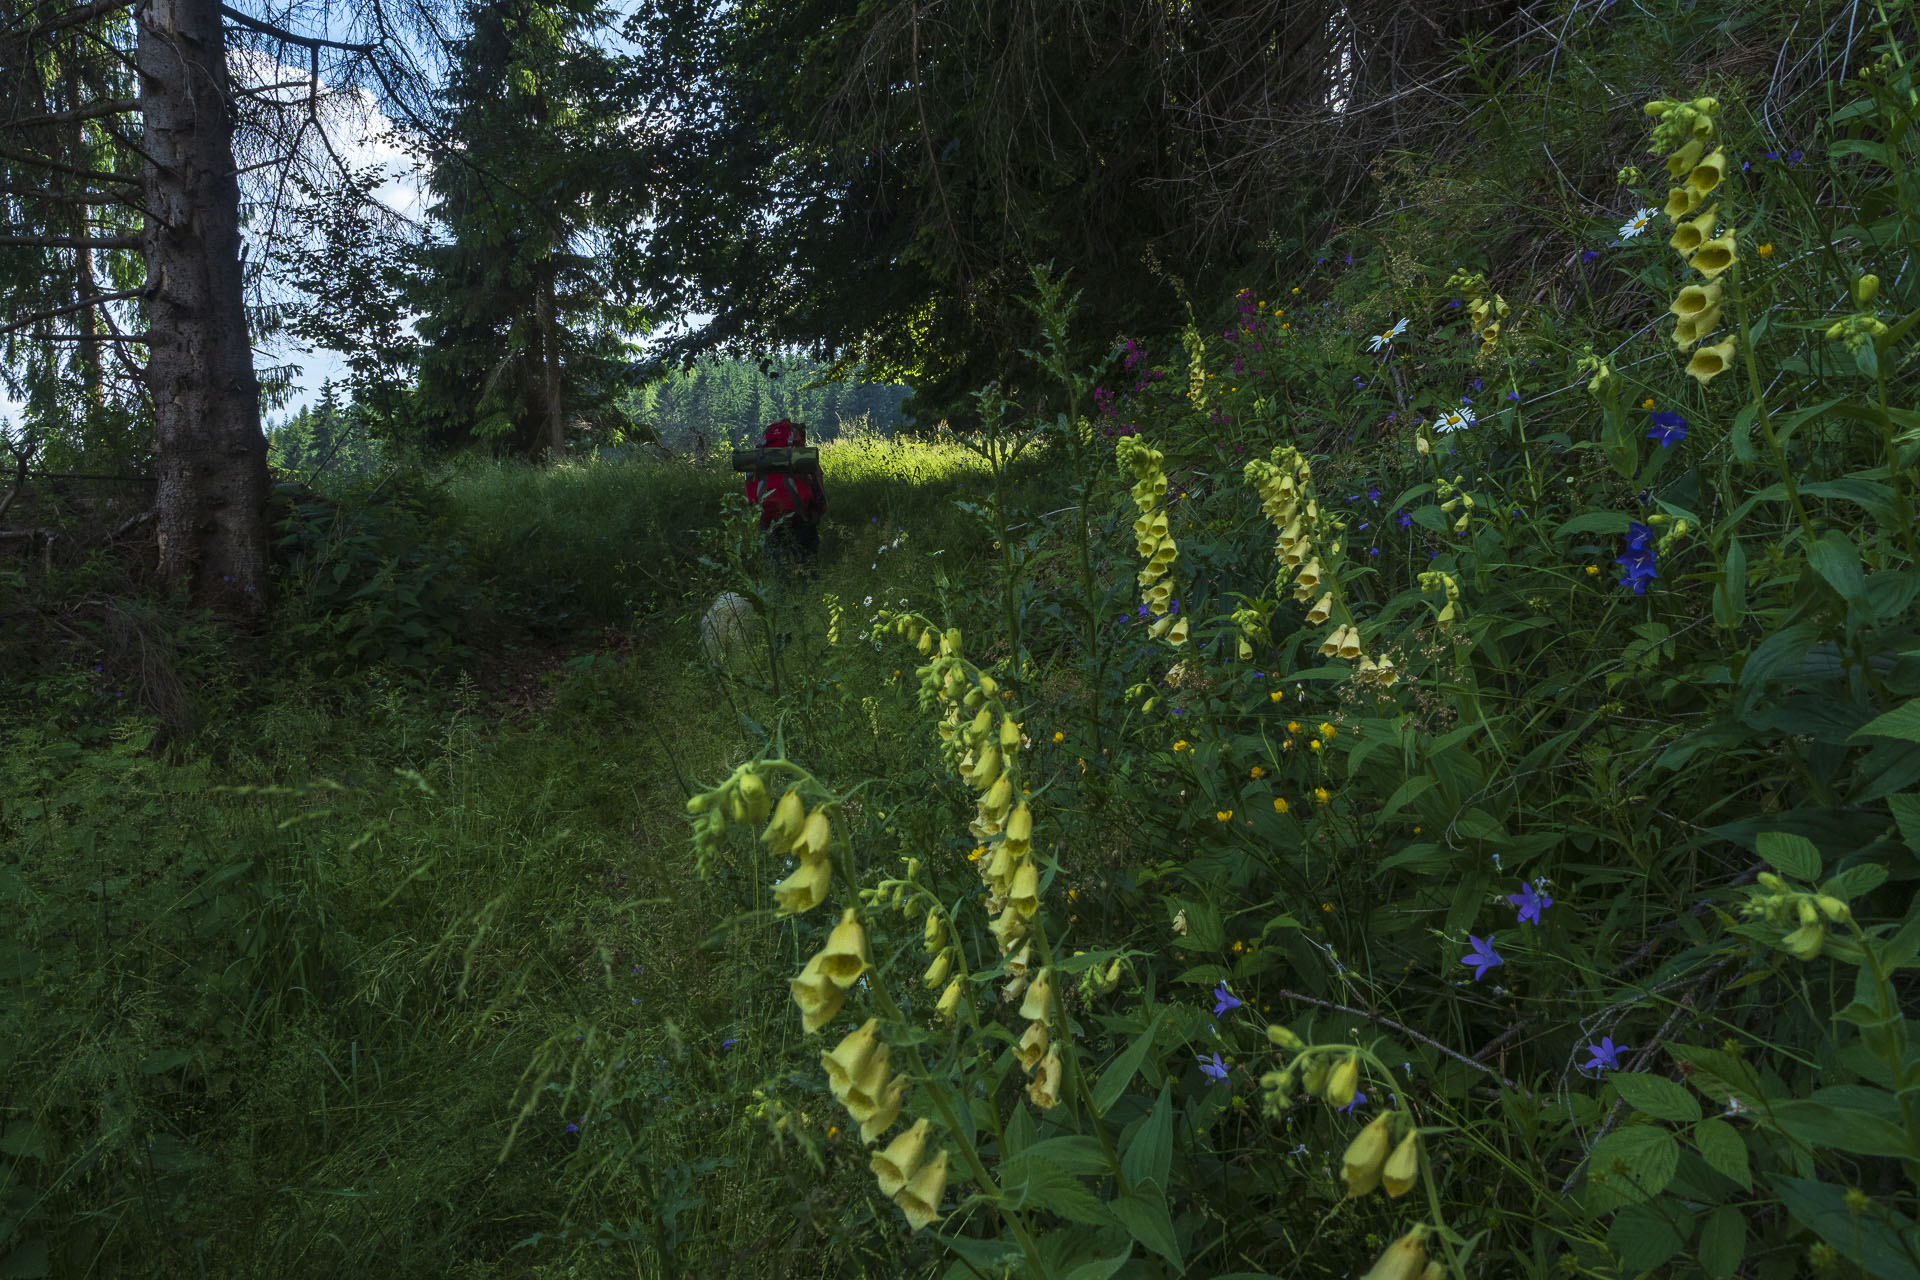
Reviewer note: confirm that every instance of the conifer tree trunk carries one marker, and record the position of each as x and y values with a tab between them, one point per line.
547	309
210	453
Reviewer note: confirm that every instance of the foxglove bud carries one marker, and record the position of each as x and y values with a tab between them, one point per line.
1403	1166
1366	1155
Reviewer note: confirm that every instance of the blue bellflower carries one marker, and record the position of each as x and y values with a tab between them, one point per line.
1637	562
1531	901
1667	427
1484	957
1215	1070
1606	1056
1224	1000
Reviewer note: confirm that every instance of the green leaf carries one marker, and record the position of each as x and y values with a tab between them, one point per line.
1906	813
1630	1165
988	1255
1723	1242
1149	1155
1730	596
1724	1150
1856	881
1041	1184
28	1262
1839	1128
1868	1240
1077	1153
1658	1096
1902	722
1100	1268
1644	1238
1119	1073
1406	793
1144	1214
1790	855
1604	522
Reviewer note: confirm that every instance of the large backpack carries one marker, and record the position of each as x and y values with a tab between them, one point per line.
800	494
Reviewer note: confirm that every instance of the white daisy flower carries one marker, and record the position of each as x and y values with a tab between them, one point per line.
1453	420
1637	223
1379	341
868	600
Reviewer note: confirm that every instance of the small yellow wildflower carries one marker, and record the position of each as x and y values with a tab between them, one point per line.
1322	795
1416	831
1647	403
1764	250
1280	804
1593	571
1327	907
1256	772
1286	324
1238	947
1293	726
1223	815
1072	894
1328	732
833	1131
1276	695
1059	736
1180	745
1296	288
1313	744
978	851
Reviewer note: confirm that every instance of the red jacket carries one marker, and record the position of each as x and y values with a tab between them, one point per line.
802	494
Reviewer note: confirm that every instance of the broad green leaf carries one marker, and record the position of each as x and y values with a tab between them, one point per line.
1041	1184
1724	1150
1149	1155
1902	722
1870	1240
1839	1128
988	1255
1119	1073
1077	1153
1100	1268
1723	1242
1730	597
1144	1214
1856	881
1790	855
1406	793
1630	1165
1906	813
1658	1096
1644	1237
1608	522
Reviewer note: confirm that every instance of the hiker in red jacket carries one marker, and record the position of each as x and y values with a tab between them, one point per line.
791	503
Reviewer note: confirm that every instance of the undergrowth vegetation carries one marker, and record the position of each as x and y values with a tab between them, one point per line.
1422	780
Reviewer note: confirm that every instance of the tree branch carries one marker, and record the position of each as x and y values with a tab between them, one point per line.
62	197
91	175
93	111
70	242
22	455
280	33
82	305
72	17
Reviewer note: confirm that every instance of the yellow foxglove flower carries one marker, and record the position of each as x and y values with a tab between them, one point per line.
1404	1259
1308	579
886	1112
986	770
1350	643
998	800
1681	201
1032	1047
816	836
1178	635
1020	829
1707	174
1044	1092
754	798
1039	1002
1245	650
935	936
1024	894
949	1001
895	1165
1009	737
845	957
1343	1082
1680	164
1402	1169
1695	299
1689	236
848	1059
1000	868
1161	627
1806	941
804	890
819	999
1008	928
788	818
919	1200
1709	363
1366	1155
936	974
1321	611
1715	256
865	1095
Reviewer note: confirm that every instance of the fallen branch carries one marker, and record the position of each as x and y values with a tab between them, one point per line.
1399	1028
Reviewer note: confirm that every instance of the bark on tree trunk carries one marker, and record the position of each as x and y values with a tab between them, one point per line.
548	315
210	453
